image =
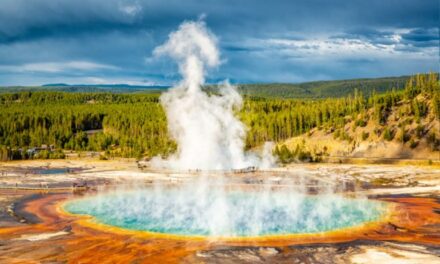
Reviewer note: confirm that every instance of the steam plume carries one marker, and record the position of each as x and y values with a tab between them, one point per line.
208	134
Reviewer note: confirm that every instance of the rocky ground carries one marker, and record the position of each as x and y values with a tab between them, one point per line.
353	252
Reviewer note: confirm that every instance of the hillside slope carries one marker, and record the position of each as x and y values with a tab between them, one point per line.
402	127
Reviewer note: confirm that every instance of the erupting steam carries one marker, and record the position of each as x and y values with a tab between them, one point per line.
208	135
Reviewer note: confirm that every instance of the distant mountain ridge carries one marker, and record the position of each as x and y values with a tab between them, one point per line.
119	85
86	88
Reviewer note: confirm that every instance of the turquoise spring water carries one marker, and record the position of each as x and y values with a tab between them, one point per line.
226	213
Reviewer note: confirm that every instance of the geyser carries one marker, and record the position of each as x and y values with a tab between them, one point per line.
210	137
208	134
233	213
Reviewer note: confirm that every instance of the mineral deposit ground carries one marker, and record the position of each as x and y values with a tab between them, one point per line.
35	227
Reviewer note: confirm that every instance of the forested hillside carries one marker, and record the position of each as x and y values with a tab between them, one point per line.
402	125
318	89
134	125
324	89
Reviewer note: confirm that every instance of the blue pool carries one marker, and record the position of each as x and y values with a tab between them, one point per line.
216	212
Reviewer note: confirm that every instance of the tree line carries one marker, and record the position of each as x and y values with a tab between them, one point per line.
134	125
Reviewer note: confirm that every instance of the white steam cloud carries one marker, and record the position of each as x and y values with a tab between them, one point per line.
208	134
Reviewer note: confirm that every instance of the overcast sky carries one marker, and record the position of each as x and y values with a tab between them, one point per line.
111	41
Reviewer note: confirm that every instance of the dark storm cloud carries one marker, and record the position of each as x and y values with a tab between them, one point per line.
23	19
422	37
122	34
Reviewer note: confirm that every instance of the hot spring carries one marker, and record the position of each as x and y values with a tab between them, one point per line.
222	212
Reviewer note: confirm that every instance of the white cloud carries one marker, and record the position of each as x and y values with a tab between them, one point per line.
100	80
328	47
339	48
130	9
57	67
